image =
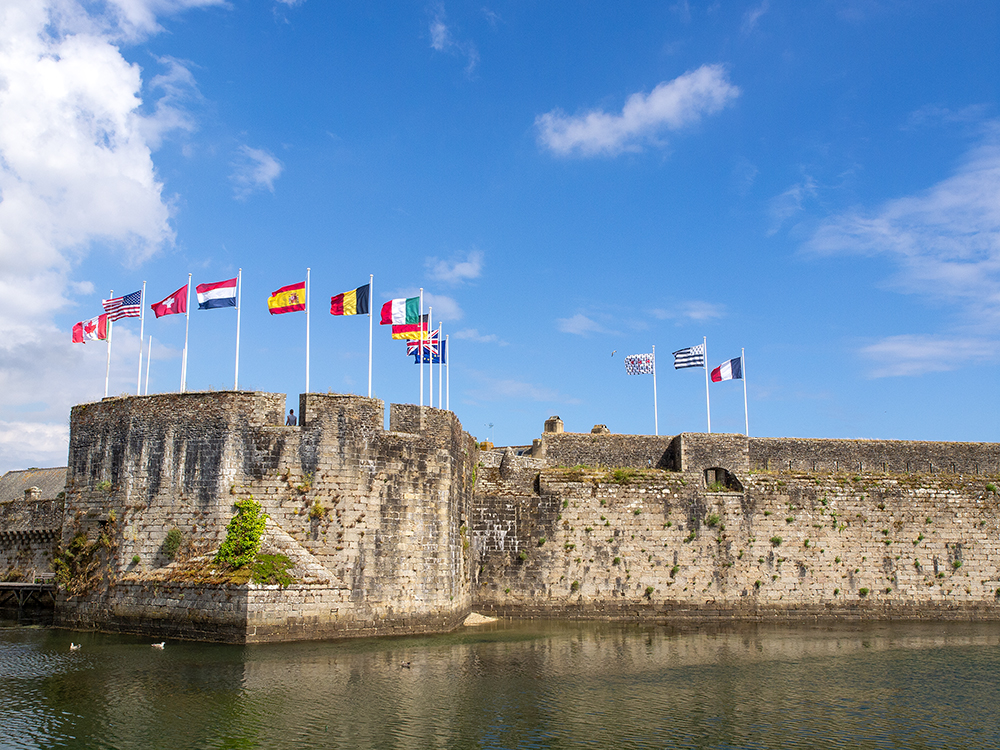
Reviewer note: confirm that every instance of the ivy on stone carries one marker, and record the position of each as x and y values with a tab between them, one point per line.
243	534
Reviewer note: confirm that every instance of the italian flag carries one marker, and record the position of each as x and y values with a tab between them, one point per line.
399	312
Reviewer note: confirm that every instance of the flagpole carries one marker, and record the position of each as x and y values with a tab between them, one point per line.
239	299
743	368
111	324
708	405
656	418
430	359
187	329
149	357
142	329
447	372
371	303
307	333
420	321
440	365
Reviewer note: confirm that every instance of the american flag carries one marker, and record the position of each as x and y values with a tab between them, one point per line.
639	364
127	306
693	356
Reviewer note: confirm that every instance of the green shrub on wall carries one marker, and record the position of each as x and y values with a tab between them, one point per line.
243	534
172	543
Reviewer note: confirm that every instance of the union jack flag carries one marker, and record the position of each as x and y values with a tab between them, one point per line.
429	350
126	306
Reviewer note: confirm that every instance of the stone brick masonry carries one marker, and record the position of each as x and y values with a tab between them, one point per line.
407	529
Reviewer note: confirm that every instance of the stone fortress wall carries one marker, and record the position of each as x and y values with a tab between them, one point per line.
408	529
730	527
364	513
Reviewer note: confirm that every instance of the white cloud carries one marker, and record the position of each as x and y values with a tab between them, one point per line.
473	334
255	169
692	310
783	207
672	105
580	325
445	308
918	354
501	389
945	242
456	271
752	16
76	176
443	40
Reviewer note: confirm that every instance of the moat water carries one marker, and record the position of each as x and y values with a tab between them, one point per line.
512	685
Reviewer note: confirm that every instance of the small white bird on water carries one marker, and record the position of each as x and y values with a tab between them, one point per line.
75	646
159	645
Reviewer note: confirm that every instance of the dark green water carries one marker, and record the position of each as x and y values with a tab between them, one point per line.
524	685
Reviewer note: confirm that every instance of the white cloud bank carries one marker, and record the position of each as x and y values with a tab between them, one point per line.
76	175
672	105
946	244
456	271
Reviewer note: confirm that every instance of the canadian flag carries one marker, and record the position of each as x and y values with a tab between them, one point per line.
95	329
175	303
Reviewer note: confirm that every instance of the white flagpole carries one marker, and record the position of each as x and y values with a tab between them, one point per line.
371	303
430	360
307	333
187	328
142	329
239	300
447	372
107	372
708	405
440	365
743	368
656	417
149	357
420	321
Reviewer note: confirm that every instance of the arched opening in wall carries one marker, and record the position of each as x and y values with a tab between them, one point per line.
718	479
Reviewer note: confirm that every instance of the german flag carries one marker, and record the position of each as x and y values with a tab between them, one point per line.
412	331
290	298
351	303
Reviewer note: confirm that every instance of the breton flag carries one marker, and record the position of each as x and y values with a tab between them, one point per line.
126	306
174	304
639	364
401	312
219	294
291	298
412	331
731	370
95	329
693	356
351	303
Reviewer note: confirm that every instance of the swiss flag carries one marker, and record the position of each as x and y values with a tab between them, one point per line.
175	303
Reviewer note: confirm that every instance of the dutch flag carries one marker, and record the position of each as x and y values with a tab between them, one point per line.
219	294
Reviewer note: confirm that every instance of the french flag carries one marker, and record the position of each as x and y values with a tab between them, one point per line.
731	370
219	294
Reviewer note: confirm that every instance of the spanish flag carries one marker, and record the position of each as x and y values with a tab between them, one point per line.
290	298
350	303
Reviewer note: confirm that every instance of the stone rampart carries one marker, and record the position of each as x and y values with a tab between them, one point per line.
374	521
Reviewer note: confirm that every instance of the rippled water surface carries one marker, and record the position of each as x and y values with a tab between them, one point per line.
521	685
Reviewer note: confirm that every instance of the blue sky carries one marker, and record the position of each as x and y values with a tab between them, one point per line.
818	183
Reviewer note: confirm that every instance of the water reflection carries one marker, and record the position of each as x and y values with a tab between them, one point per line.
524	685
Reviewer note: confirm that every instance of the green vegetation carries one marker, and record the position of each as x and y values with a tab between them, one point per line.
541	541
272	569
242	542
622	475
717	487
636	512
713	520
76	566
522	555
575	586
616	561
136	559
649	592
862	592
775	541
172	543
990	487
674	571
956	564
836	592
690	537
